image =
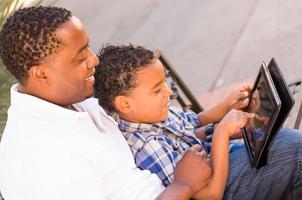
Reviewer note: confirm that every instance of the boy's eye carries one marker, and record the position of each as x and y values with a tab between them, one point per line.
157	91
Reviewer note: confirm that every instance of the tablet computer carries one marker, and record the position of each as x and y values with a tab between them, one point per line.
266	104
287	103
286	97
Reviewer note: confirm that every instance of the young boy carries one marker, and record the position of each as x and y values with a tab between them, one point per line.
158	134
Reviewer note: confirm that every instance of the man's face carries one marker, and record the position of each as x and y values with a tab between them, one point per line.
70	70
150	100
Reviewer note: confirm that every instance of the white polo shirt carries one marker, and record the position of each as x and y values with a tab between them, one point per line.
49	152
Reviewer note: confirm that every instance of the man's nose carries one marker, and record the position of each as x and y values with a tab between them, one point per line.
93	61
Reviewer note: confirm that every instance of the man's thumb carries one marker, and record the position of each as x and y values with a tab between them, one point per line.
196	148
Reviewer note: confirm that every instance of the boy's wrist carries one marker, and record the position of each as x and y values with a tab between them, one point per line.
225	105
222	130
224	108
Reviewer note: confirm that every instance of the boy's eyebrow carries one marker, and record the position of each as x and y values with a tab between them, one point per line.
157	84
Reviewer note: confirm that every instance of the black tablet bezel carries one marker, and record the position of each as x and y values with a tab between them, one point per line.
286	97
259	158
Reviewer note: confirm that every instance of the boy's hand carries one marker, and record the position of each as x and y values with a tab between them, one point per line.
234	121
238	97
254	102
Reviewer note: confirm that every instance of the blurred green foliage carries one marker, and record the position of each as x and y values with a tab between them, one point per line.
6	80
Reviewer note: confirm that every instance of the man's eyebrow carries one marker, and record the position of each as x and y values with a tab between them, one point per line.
82	48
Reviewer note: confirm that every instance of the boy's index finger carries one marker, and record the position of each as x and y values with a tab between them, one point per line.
245	94
246	87
250	115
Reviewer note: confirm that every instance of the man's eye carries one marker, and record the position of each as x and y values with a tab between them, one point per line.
81	60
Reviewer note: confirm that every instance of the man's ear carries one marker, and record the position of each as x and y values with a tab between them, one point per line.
38	74
122	104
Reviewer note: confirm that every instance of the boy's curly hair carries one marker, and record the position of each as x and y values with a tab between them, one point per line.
28	37
116	73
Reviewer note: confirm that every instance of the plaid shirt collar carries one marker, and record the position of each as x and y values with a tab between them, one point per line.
127	126
174	123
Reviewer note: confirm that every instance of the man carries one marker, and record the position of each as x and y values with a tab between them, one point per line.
58	143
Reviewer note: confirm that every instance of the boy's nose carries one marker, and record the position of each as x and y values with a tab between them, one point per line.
169	92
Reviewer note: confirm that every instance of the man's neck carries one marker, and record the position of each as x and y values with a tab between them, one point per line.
71	107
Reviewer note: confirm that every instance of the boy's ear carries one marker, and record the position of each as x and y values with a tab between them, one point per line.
122	104
38	74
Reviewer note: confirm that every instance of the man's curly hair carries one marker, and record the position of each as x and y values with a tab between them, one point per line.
28	37
116	73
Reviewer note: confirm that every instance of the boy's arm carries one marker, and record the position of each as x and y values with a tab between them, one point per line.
236	99
220	153
220	165
214	114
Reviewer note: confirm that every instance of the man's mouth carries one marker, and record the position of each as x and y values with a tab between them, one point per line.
90	78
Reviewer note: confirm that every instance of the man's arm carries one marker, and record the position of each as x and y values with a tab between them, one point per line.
190	175
176	191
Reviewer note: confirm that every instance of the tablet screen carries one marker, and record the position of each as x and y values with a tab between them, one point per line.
263	104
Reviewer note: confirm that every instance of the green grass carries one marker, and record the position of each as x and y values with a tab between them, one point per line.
6	80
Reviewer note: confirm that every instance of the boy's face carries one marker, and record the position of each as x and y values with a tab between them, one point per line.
150	100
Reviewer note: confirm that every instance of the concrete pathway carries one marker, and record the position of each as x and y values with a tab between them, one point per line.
211	43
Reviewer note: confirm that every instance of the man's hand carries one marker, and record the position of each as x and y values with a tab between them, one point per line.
191	174
200	134
193	170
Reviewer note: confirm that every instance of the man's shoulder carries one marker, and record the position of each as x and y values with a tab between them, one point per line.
88	104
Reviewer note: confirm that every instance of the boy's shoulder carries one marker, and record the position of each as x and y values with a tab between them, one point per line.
137	139
141	134
179	111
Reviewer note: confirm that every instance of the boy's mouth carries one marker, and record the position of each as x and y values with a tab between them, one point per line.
167	105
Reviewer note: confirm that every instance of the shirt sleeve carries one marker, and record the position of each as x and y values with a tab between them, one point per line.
209	130
189	116
159	157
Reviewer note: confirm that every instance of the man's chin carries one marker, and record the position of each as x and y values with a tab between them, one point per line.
90	95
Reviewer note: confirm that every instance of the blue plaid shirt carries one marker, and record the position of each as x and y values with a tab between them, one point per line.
158	147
